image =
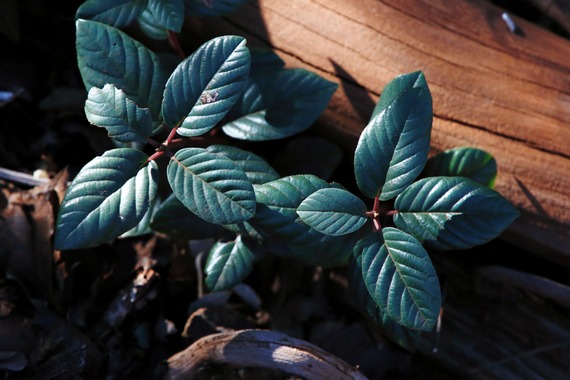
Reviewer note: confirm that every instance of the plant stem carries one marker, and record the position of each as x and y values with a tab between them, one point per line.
175	43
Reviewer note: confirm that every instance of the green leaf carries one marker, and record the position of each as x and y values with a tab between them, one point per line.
228	264
393	148
264	61
309	155
107	55
151	26
108	197
212	8
401	279
211	186
333	212
143	227
475	164
204	87
362	300
174	219
169	13
280	105
276	218
117	13
258	171
111	109
396	86
448	213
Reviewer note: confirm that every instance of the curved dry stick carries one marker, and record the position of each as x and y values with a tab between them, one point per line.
260	348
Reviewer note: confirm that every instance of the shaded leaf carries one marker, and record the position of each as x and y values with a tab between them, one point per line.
280	105
333	212
212	8
117	13
362	300
401	279
228	264
151	26
394	146
108	197
111	109
473	163
107	55
169	13
309	155
176	220
204	87
211	186
258	171
448	213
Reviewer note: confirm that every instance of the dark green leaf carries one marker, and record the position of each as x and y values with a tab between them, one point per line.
107	55
143	227
211	186
280	105
169	13
333	212
204	87
362	300
228	264
212	8
393	148
264	61
258	171
452	212
108	197
117	13
174	219
151	26
309	155
111	109
475	164
396	86
401	279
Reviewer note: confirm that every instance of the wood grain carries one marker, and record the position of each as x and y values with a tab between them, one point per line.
503	92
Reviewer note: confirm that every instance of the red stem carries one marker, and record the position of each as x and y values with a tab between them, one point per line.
175	43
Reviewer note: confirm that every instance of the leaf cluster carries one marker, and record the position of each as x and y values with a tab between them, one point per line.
441	203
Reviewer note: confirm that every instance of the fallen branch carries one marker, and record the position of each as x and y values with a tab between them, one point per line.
260	348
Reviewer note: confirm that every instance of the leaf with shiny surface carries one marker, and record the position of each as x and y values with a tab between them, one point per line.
111	109
228	264
333	212
472	163
169	13
117	13
394	146
204	87
401	279
258	171
211	186
108	197
449	213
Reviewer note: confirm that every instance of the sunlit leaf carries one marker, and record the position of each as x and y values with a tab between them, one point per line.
108	197
401	279
333	212
473	163
204	87
258	171
111	109
394	146
452	212
211	186
228	264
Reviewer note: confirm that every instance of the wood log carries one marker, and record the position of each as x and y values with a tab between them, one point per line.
504	92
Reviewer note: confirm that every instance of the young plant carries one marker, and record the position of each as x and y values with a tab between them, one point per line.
224	92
